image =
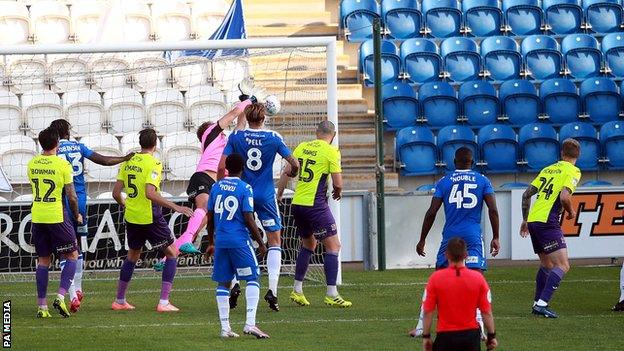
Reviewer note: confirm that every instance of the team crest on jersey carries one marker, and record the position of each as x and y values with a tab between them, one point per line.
575	181
154	175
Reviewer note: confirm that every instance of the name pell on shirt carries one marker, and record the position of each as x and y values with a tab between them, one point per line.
253	142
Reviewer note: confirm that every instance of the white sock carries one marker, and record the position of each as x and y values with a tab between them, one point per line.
622	283
223	304
541	303
163	302
121	301
61	297
78	274
274	265
332	291
298	287
252	295
421	313
234	281
72	290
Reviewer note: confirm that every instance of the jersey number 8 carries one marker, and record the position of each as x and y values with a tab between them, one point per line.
457	196
254	161
229	204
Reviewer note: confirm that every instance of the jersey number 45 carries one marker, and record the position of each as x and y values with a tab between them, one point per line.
457	196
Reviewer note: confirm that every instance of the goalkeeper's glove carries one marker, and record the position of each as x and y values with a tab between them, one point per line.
244	97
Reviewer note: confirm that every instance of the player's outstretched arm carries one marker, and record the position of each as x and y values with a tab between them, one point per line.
221	168
566	201
293	170
155	197
250	222
109	160
117	193
237	111
430	216
526	206
490	201
337	185
70	192
283	181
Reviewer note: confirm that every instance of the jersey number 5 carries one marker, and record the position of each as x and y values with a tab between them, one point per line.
229	204
457	197
135	190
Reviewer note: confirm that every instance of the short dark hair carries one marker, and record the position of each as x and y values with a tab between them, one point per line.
456	249
234	163
202	129
147	138
62	127
571	148
463	155
48	139
254	113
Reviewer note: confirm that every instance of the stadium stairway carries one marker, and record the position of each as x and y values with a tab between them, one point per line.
357	133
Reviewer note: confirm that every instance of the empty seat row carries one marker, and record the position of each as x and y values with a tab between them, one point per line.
108	71
119	110
82	21
404	19
498	149
518	103
497	58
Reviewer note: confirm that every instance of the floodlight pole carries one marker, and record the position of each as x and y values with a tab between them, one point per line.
379	142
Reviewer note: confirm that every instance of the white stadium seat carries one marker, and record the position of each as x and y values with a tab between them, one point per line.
228	73
40	108
14	23
207	16
107	195
205	103
189	71
150	73
50	21
130	143
86	15
172	20
84	111
125	110
138	21
10	113
24	198
105	144
26	73
166	110
109	72
68	73
15	153
182	153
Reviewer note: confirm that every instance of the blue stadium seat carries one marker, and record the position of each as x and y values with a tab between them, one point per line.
582	55
390	62
421	60
604	16
501	57
499	148
400	106
443	18
560	100
613	52
416	150
357	18
542	56
539	145
595	183
612	140
438	104
484	18
426	187
402	18
479	101
461	58
587	136
600	99
451	138
523	17
514	185
519	102
563	16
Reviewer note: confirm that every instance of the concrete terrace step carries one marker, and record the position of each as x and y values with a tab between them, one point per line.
293	30
357	120
302	75
345	106
347	135
365	163
279	7
367	181
350	149
303	16
278	61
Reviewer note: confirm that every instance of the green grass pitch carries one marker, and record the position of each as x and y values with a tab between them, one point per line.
385	306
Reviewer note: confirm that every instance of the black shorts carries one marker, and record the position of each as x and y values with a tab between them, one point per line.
200	183
464	340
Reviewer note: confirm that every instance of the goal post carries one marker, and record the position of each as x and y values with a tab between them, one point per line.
83	83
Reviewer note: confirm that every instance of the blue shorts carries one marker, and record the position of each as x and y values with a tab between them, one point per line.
268	213
239	261
476	255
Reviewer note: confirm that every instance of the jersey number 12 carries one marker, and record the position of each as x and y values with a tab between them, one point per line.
457	197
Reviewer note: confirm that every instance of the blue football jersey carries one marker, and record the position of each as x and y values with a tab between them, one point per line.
229	199
462	192
259	148
75	153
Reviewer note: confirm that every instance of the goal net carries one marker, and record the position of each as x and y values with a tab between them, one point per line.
108	95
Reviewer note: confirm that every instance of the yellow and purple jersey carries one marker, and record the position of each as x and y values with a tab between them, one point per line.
48	175
136	173
549	183
317	160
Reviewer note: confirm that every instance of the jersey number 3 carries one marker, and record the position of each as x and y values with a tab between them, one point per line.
457	197
229	204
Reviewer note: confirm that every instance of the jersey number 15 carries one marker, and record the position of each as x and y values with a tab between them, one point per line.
457	197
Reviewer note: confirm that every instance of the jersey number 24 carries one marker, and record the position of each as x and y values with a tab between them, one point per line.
457	196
